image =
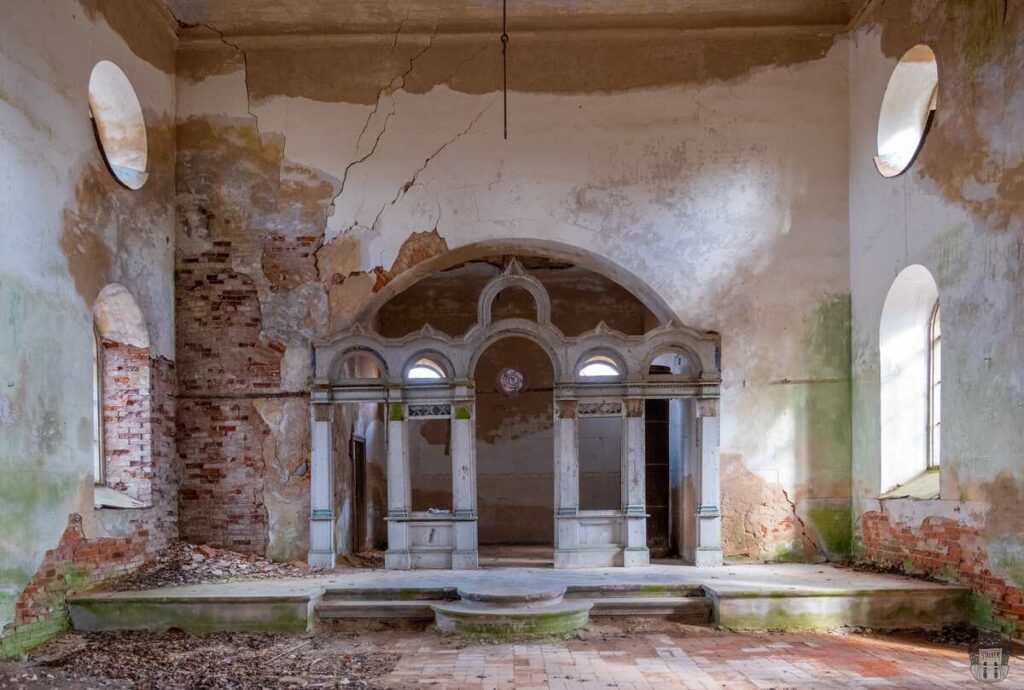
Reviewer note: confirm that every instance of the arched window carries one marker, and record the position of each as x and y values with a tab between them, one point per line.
910	368
425	369
599	366
934	386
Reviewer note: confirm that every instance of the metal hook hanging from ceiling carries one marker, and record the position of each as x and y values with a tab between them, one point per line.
504	65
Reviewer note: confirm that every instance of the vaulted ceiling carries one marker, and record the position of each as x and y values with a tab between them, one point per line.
239	17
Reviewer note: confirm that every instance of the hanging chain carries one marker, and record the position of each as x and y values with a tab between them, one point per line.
504	64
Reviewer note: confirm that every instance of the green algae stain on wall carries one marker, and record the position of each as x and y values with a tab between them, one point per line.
825	403
834	525
979	28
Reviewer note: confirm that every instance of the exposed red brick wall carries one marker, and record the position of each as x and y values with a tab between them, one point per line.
219	349
78	563
127	420
945	548
221	499
223	363
74	565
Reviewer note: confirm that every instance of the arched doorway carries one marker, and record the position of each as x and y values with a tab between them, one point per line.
514	382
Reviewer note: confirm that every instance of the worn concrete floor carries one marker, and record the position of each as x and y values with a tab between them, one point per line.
791	577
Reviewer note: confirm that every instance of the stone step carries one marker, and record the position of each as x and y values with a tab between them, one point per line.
512	596
379	610
368	594
482	619
692	610
596	592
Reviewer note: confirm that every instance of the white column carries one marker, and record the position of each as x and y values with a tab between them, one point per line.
634	476
399	490
709	515
567	484
321	487
465	556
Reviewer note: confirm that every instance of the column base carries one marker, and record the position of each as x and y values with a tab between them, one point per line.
397	560
465	560
321	559
636	558
708	557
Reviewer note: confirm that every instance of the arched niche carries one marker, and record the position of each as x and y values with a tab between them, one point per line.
904	360
119	318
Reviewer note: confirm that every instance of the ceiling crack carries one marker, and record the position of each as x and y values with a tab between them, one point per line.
245	72
415	176
396	84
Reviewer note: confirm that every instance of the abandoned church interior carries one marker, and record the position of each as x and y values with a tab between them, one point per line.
539	319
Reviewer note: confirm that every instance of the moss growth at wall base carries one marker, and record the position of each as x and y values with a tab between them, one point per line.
834	525
23	638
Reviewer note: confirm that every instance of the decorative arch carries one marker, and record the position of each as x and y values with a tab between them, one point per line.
513	277
596	357
428	359
680	350
337	370
516	330
557	251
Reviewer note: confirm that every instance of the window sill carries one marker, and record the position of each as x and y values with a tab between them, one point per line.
923	487
106	498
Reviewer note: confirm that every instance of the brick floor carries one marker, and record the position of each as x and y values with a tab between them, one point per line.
643	661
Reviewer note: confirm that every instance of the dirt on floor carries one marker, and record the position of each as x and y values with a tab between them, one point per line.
381	658
188	564
219	661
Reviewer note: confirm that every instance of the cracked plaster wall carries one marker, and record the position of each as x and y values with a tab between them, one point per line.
956	211
715	175
68	230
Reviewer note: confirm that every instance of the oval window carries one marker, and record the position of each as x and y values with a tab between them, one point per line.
120	127
909	100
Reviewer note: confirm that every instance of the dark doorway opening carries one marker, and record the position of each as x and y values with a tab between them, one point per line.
514	381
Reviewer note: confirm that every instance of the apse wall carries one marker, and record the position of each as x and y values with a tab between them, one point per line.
957	212
709	166
69	228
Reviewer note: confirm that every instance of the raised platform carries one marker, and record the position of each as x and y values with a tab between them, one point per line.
740	597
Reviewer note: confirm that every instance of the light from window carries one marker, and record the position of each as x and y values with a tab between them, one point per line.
599	366
935	387
97	409
909	100
120	127
425	370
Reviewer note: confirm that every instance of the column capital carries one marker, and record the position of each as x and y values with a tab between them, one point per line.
707	407
323	412
567	409
634	407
